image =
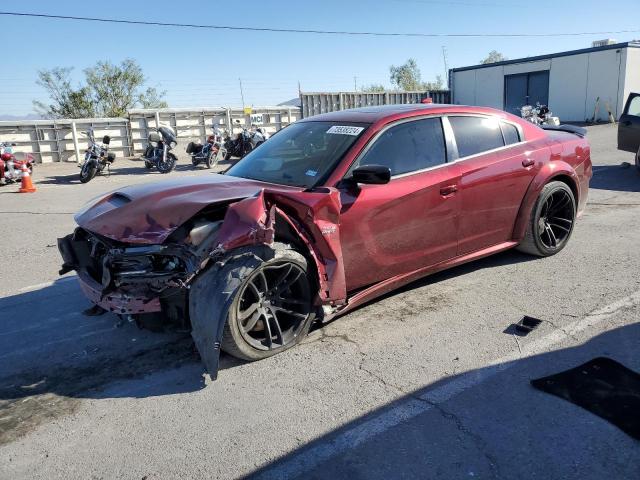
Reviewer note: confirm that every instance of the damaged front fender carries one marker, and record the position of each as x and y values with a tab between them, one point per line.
313	215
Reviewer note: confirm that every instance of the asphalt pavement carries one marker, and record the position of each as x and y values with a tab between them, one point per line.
428	382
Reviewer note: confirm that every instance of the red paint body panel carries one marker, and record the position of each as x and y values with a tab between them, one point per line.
370	239
390	229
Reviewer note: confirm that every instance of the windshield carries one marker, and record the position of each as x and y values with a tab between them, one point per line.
301	154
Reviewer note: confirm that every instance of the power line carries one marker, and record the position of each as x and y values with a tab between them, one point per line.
324	32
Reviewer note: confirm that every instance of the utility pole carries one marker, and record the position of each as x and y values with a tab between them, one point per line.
241	92
355	84
446	65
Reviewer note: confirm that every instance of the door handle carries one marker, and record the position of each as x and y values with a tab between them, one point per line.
448	190
527	162
627	123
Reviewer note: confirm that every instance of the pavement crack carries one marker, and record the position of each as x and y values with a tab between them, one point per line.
477	440
557	327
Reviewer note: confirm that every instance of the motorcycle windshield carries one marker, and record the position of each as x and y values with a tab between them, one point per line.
299	155
167	134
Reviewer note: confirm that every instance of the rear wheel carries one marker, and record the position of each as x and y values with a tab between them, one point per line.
271	301
551	222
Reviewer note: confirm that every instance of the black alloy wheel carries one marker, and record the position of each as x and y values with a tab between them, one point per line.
551	222
556	219
273	306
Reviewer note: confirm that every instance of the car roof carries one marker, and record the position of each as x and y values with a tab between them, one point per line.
381	112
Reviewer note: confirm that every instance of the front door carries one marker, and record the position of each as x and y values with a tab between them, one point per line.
629	126
409	223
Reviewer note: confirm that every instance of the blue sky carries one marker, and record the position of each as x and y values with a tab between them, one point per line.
202	67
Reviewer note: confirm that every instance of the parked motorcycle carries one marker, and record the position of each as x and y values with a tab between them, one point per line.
11	163
539	115
158	153
245	141
96	158
211	152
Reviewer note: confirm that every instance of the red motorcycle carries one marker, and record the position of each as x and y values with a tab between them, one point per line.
11	163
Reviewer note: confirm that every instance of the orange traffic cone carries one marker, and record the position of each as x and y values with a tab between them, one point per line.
26	186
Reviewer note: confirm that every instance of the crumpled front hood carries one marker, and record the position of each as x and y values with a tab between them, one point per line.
149	213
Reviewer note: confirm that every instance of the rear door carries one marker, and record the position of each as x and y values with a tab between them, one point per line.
629	126
496	169
409	223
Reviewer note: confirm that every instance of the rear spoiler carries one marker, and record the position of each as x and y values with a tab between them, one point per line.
579	131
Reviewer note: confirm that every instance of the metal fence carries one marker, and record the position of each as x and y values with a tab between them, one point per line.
56	140
64	140
314	103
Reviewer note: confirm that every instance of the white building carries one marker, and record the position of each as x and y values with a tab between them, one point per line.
569	82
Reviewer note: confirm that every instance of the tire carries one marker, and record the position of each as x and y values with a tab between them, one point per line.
228	289
166	167
88	171
148	165
547	234
211	158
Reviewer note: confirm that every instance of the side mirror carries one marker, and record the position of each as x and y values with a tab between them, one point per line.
372	174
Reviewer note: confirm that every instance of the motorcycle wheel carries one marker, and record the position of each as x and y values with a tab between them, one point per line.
211	159
167	166
148	165
194	162
88	171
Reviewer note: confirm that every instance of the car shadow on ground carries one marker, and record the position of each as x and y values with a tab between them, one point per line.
482	423
620	178
47	345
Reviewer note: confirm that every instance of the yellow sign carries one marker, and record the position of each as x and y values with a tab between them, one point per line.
248	110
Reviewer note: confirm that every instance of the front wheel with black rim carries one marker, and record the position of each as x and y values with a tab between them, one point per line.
268	301
166	165
552	219
88	170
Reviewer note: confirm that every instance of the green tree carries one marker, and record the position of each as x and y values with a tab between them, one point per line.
151	98
493	57
65	100
438	84
407	76
110	90
373	88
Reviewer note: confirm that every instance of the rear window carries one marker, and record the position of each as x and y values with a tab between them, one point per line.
510	133
476	134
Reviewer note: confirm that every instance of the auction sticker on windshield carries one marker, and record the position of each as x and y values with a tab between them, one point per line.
345	130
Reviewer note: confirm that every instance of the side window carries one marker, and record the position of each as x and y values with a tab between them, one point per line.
408	147
634	107
510	133
476	134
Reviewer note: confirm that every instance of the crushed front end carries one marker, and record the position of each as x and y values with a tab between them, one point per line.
131	279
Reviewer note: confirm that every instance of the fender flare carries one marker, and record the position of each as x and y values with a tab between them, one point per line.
558	170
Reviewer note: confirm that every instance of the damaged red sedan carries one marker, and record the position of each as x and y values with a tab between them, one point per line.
331	212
